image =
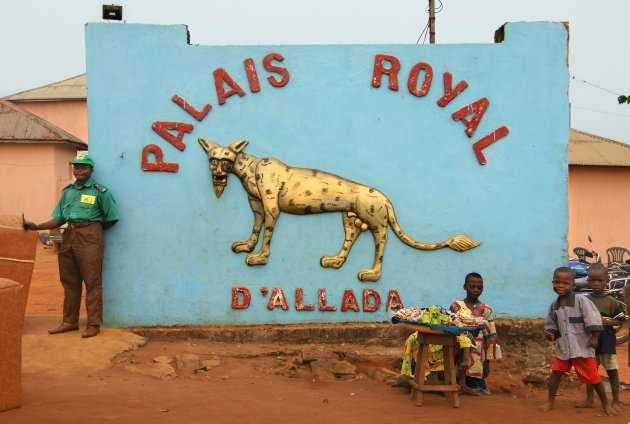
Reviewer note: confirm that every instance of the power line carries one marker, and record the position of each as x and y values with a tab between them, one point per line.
594	85
601	111
425	31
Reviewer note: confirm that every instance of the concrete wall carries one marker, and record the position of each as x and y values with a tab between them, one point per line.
598	206
69	115
32	177
169	260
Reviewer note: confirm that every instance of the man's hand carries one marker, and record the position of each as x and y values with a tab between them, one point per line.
52	223
28	225
108	224
593	341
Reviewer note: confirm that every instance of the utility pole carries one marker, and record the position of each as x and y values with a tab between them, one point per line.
431	21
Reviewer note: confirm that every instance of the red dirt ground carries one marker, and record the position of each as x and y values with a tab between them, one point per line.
254	387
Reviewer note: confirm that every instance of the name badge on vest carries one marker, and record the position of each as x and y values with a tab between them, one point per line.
86	198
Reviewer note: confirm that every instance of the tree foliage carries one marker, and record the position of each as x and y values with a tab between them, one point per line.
623	99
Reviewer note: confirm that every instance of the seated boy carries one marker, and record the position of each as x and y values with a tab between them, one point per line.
575	323
474	365
473	357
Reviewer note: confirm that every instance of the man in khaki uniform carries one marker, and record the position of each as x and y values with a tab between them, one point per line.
88	208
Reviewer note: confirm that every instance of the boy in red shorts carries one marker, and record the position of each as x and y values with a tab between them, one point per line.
575	323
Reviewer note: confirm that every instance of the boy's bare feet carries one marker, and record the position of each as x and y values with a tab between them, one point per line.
402	381
588	403
546	407
608	410
616	407
465	390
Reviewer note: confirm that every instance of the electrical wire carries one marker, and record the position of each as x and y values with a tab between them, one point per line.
600	111
425	31
594	85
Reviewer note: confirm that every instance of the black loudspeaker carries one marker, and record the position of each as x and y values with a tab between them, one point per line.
112	13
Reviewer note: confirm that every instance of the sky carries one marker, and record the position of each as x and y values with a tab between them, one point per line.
43	41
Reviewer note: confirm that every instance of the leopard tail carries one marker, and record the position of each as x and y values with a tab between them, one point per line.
460	242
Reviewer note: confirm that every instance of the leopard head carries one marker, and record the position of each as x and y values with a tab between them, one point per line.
221	161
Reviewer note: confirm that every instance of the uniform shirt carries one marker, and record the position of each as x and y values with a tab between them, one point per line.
87	203
608	307
573	325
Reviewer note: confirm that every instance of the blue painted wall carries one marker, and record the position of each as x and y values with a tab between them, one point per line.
168	261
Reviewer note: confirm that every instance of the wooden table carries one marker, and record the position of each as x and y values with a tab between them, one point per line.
448	386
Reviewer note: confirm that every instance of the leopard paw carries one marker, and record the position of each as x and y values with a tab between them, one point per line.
331	261
369	275
256	259
242	246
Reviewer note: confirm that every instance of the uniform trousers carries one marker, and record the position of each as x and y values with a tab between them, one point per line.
81	261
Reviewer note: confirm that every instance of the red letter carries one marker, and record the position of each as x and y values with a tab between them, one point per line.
252	76
366	300
412	83
488	140
393	300
449	92
246	298
349	301
478	108
221	76
379	70
299	306
181	128
282	71
199	115
158	165
277	299
322	302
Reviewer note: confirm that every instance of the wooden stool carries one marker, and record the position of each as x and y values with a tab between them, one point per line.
449	385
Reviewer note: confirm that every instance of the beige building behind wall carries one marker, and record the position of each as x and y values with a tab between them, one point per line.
63	104
599	193
35	158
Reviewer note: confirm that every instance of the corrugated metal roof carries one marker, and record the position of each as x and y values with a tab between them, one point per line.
591	150
71	89
20	126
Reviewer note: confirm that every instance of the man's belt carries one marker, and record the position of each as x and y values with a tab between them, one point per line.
74	225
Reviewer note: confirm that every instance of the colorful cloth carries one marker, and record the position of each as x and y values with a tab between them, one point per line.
485	342
435	358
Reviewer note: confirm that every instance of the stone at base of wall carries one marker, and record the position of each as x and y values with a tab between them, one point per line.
514	335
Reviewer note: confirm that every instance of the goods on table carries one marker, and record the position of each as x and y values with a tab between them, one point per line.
439	315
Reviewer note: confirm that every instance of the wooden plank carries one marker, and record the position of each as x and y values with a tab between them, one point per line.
423	328
439	387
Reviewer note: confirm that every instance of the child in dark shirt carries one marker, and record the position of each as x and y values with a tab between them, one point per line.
575	323
606	351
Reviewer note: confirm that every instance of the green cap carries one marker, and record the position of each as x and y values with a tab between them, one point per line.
86	159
